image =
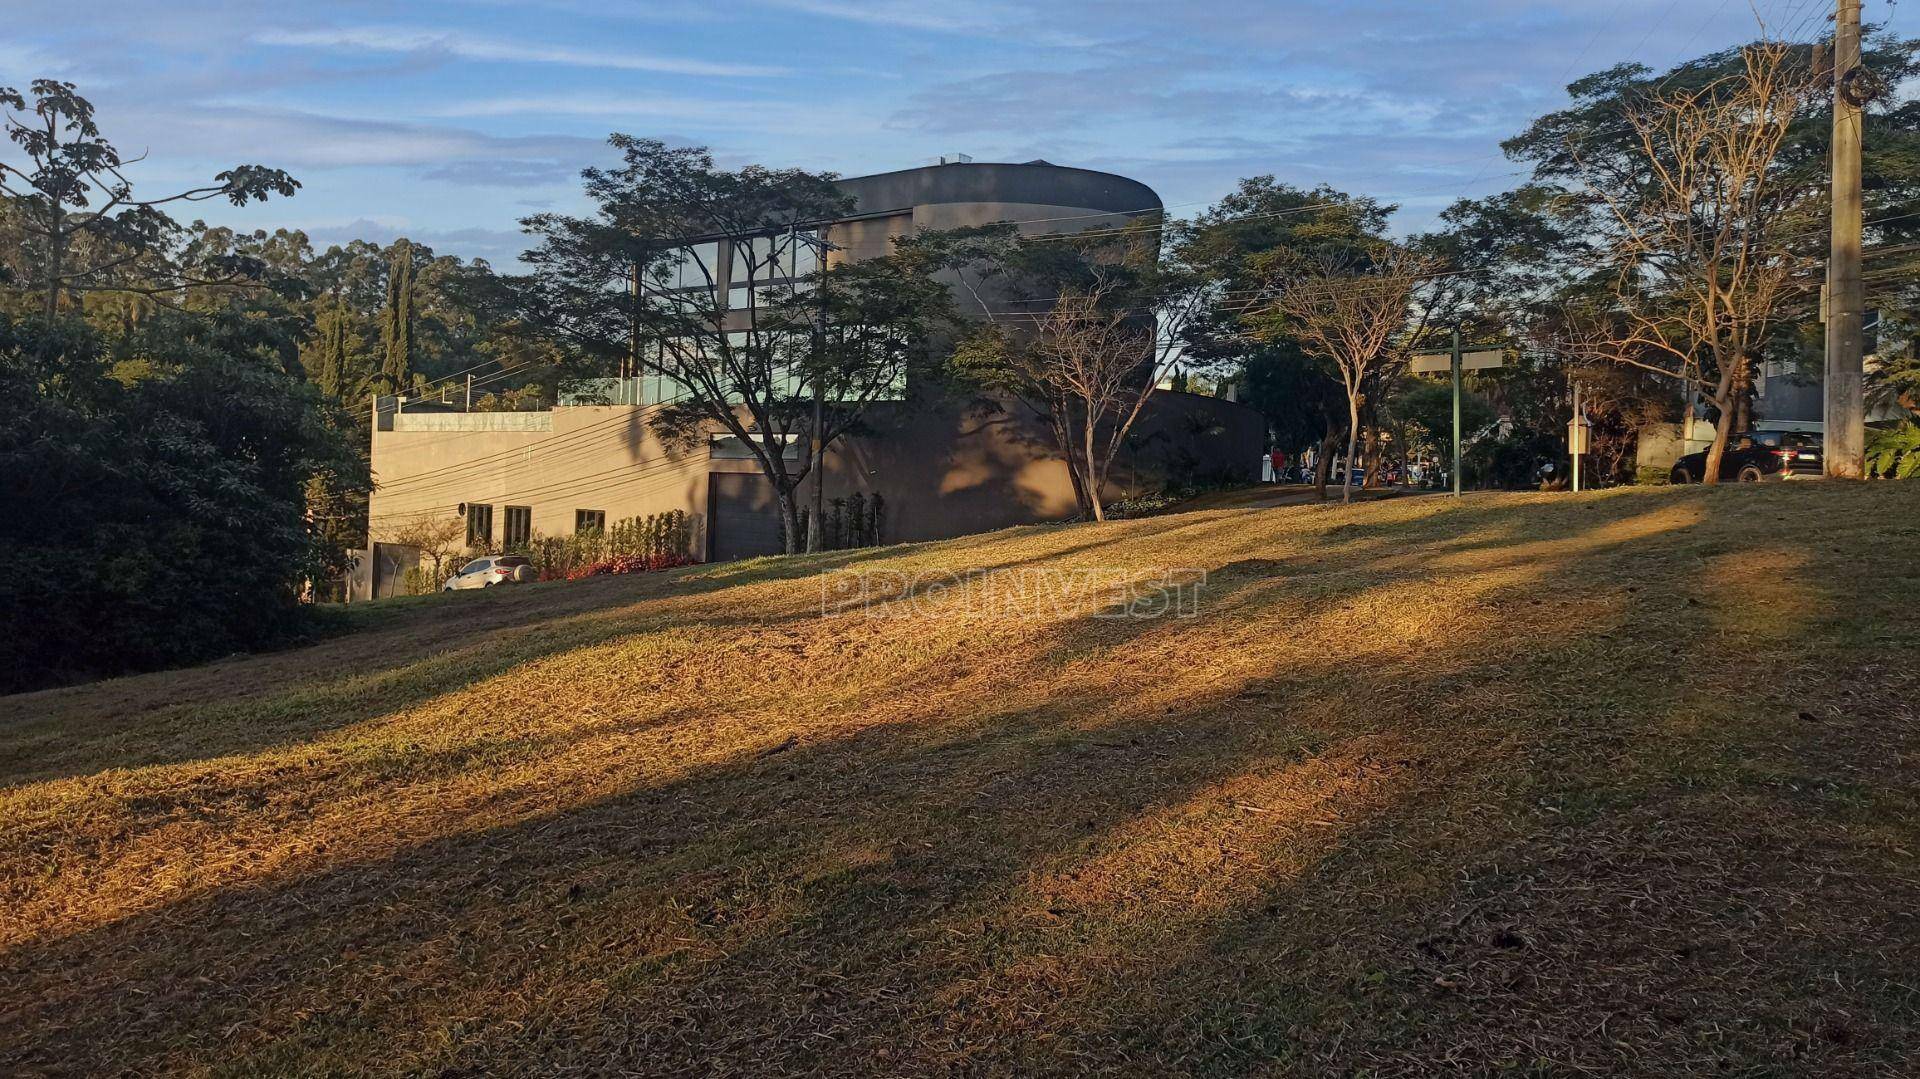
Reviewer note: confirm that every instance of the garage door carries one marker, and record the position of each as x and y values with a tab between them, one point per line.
745	519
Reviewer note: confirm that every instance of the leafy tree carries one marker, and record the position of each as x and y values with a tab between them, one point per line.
1423	413
715	282
1300	396
334	374
1235	246
165	516
84	229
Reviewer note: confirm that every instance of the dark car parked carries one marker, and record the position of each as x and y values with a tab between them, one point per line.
1747	460
1801	451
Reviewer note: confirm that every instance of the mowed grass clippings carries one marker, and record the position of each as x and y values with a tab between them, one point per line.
1622	782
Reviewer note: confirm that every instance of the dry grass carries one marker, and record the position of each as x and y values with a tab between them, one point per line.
1621	782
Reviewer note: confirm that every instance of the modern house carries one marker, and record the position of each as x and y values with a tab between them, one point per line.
944	467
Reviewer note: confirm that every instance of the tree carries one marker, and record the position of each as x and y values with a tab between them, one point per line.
1094	366
718	283
1351	308
121	244
1234	246
1423	413
396	328
1300	396
1698	226
437	539
1119	305
334	375
165	515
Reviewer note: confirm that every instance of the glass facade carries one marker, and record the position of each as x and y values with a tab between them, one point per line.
754	271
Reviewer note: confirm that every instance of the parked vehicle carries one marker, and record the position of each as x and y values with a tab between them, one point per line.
1802	451
492	570
1746	460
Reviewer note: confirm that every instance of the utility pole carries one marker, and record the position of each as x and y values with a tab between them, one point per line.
1845	412
816	531
1575	440
1456	410
469	392
632	369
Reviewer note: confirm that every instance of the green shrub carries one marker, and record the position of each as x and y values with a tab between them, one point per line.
1893	453
659	537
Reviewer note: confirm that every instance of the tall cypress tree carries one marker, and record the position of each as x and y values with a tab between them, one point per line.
397	329
333	375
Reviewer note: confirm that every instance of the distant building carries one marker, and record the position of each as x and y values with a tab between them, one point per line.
944	467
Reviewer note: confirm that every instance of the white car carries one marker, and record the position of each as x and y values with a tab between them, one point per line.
492	570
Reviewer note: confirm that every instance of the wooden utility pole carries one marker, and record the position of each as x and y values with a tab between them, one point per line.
1845	412
1455	364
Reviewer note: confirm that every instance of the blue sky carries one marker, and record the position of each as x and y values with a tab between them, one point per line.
450	121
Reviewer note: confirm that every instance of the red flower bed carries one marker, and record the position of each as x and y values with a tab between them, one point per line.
630	563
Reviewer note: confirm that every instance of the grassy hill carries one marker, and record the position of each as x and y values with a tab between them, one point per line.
1624	781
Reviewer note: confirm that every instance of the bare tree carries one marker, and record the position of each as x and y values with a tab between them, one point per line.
1697	225
1122	303
1351	307
1095	365
438	539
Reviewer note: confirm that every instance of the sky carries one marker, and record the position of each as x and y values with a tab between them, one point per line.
449	122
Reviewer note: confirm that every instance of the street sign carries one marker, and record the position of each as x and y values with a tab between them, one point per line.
1453	362
1439	363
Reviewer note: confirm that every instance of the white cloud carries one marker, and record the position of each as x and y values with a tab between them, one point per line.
471	47
773	117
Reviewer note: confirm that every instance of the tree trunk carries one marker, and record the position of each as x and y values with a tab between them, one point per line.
1323	461
1063	440
1723	403
1722	427
56	265
1093	471
1353	443
791	539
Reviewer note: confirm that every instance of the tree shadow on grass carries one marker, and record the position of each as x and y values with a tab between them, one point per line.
1132	870
216	711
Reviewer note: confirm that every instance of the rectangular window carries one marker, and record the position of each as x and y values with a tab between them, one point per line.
699	266
732	448
519	527
479	526
589	520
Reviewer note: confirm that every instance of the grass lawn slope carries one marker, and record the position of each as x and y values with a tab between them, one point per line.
1626	782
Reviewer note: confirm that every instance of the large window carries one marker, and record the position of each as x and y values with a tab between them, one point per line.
589	520
479	526
765	261
723	447
519	527
698	267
